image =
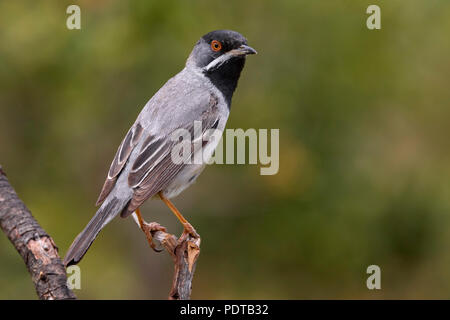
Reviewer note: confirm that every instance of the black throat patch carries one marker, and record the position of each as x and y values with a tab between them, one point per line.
226	77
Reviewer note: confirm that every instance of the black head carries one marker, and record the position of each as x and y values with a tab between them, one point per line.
221	56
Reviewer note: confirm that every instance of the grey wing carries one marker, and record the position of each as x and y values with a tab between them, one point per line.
153	169
123	153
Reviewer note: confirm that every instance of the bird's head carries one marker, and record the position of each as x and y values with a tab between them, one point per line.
220	51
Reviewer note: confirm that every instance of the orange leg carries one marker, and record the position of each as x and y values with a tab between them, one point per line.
188	229
148	228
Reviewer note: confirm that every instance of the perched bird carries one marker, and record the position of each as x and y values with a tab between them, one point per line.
142	167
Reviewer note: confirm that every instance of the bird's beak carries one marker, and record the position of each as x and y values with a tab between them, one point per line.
243	50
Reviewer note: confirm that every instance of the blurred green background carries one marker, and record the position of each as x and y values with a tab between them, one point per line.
364	123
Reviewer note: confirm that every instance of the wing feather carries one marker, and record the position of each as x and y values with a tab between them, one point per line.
153	172
121	157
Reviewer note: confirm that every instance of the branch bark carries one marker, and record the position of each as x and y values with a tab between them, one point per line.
36	247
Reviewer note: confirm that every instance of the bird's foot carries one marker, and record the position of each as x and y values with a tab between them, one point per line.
188	231
148	228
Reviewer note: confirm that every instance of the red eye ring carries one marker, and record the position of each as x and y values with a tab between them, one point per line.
216	45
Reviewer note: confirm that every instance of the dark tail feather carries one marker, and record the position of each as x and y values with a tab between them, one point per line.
84	240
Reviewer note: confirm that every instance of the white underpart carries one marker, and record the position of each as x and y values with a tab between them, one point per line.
135	218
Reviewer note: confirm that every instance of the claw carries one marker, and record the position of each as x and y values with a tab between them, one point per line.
153	246
148	228
188	231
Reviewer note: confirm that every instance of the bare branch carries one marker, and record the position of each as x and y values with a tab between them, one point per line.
36	247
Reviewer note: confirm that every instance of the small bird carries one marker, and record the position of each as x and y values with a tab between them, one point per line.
142	167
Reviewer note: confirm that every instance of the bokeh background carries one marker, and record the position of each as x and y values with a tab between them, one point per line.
364	123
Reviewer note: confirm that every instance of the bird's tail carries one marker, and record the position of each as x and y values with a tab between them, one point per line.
83	241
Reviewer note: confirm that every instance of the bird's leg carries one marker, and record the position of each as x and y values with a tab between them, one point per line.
188	228
147	228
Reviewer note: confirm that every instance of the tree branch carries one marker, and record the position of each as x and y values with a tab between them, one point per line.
36	247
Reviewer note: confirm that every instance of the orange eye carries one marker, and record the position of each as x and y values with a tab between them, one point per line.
216	45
